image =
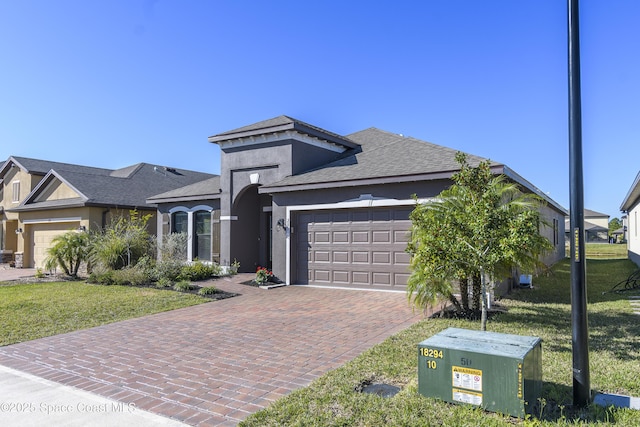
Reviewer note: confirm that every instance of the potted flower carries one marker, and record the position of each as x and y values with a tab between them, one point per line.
263	275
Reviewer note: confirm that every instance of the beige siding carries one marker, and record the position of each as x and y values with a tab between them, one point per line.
57	190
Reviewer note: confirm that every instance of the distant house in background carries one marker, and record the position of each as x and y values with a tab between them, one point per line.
40	200
631	207
596	227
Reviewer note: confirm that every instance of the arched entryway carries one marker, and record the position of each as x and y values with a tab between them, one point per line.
250	230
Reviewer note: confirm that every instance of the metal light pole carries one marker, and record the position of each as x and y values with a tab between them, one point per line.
580	334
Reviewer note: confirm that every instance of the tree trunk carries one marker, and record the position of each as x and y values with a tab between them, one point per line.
483	317
477	291
455	302
464	292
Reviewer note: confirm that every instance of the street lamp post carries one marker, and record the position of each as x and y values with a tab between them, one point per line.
580	335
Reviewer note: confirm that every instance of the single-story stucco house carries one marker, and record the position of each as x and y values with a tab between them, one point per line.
41	199
596	227
320	208
631	207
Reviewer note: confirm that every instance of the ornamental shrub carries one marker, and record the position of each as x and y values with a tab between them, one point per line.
263	275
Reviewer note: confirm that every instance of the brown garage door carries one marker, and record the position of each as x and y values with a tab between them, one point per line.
352	247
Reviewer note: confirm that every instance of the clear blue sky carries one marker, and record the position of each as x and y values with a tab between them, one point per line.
113	83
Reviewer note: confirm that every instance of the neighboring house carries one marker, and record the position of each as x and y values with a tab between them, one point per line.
596	227
631	207
42	199
321	208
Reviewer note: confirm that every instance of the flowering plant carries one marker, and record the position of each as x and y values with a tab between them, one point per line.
263	275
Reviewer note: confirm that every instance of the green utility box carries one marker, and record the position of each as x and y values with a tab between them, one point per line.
498	372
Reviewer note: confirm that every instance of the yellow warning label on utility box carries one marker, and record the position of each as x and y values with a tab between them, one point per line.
466	378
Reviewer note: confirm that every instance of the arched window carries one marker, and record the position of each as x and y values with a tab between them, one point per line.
180	222
202	243
202	225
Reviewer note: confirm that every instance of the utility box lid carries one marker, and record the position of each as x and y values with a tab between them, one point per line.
497	344
498	372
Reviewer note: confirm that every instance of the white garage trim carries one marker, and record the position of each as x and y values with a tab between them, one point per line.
364	201
52	220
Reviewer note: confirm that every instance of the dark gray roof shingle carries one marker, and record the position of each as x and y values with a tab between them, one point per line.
199	190
382	154
126	187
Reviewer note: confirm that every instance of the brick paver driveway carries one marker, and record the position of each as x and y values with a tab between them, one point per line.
216	363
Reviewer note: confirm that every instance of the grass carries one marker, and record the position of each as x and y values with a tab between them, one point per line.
30	311
606	251
603	251
333	399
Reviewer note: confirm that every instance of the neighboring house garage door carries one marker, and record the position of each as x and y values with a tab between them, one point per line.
42	235
353	247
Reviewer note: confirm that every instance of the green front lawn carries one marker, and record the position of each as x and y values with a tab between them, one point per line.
30	311
334	400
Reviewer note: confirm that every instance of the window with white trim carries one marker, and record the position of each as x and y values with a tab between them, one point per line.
15	187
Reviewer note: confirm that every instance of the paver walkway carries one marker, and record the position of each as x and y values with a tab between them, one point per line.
215	363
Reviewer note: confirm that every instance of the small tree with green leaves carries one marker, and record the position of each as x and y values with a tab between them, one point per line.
614	225
68	251
481	227
123	242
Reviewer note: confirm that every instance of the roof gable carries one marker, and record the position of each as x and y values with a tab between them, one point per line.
55	189
126	188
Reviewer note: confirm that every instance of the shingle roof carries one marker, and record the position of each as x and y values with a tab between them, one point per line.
590	213
382	154
126	187
209	188
42	167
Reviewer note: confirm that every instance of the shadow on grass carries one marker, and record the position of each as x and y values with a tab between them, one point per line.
556	405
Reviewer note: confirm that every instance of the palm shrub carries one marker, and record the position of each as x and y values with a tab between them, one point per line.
482	225
68	251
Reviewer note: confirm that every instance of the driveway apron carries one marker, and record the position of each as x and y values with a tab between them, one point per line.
216	363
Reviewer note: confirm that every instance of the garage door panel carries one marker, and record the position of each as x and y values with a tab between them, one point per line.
381	257
360	257
340	237
360	236
381	236
381	278
340	257
401	279
321	256
340	277
321	237
401	258
401	236
321	275
362	247
361	278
